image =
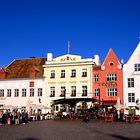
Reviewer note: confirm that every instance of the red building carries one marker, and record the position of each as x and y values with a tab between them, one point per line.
108	80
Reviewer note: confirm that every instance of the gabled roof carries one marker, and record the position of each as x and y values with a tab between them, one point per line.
21	68
135	55
111	57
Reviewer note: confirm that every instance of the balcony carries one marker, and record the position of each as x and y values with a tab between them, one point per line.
52	77
63	76
52	95
84	94
62	95
73	94
84	75
72	76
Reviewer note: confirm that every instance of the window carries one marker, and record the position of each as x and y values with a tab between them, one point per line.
96	91
56	108
62	73
39	91
52	90
96	78
9	92
32	84
131	97
111	63
16	92
84	90
23	108
63	91
31	92
112	91
73	90
52	74
23	92
111	77
84	72
137	67
130	82
73	73
1	92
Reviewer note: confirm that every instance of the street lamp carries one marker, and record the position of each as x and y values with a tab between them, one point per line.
99	98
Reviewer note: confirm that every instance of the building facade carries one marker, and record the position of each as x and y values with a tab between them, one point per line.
68	76
108	81
131	79
22	83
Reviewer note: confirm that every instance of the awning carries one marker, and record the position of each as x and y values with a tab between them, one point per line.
73	101
109	102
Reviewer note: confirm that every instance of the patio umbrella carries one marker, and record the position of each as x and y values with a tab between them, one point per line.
118	106
6	107
28	106
39	106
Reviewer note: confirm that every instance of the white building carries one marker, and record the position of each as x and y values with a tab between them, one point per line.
22	84
131	79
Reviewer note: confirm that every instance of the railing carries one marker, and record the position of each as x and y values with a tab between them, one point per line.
52	95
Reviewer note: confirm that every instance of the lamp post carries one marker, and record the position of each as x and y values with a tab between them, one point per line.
64	98
99	98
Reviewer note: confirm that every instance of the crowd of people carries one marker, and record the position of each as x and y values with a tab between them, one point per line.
13	117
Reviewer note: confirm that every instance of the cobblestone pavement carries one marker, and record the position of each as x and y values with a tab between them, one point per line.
70	130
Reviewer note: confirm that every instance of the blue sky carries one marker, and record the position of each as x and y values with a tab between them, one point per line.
36	27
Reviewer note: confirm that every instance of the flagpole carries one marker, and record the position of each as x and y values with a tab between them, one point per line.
68	47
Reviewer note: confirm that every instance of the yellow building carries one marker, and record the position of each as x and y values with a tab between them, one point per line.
68	76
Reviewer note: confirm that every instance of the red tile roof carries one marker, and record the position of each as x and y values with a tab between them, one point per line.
24	68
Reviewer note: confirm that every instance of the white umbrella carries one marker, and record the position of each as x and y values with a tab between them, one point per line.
28	106
39	106
6	107
118	106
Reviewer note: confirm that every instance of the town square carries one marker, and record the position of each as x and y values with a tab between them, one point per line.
70	130
69	69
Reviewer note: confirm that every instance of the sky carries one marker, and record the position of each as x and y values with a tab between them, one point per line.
36	27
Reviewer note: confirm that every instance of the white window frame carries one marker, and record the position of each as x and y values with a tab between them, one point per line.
39	90
1	92
96	77
9	92
111	92
52	91
32	92
137	67
73	73
63	89
84	72
131	97
111	77
16	92
73	90
84	90
130	82
52	74
24	92
96	92
62	73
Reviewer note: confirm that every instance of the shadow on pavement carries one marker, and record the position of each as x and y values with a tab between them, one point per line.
30	139
124	138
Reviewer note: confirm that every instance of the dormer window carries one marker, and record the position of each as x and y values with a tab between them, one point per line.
111	63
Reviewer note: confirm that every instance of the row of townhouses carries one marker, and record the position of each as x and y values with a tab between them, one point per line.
42	81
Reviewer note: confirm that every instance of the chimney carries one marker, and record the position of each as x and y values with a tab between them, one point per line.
49	56
96	59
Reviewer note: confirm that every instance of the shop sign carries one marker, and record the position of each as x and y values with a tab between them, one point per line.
108	84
